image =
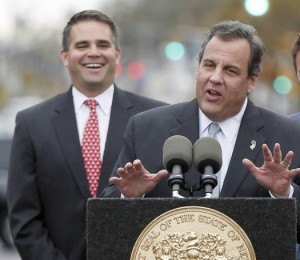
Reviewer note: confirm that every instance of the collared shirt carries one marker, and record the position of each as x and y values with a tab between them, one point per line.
226	137
82	113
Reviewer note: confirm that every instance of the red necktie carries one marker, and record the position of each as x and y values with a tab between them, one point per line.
91	148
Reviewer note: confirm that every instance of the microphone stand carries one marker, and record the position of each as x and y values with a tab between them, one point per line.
176	181
209	181
175	194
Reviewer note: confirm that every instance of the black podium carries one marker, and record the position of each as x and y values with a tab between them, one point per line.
113	225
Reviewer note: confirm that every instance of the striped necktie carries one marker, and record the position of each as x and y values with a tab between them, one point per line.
213	129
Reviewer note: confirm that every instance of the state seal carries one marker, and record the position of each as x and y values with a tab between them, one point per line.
193	232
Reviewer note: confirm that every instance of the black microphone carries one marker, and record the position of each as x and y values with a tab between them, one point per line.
177	159
208	161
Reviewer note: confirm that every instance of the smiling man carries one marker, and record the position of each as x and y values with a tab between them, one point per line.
51	173
228	69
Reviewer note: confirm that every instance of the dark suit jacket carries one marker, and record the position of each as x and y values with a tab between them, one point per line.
147	132
295	116
47	185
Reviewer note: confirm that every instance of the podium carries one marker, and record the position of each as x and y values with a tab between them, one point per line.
114	225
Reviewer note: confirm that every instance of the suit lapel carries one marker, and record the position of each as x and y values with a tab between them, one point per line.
248	145
188	122
120	113
65	126
188	126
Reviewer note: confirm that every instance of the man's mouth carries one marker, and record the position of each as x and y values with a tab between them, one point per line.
213	93
93	65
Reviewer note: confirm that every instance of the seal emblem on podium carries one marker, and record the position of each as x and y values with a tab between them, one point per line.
193	232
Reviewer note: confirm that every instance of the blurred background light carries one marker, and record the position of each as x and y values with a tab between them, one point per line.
119	69
256	7
282	85
174	50
160	43
136	70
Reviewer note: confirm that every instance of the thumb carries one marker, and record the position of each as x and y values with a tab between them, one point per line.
249	165
162	174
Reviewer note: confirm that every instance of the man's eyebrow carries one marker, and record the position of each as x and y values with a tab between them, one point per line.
80	42
208	59
232	66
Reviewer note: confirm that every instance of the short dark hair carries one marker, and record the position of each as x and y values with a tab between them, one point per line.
87	15
229	30
295	50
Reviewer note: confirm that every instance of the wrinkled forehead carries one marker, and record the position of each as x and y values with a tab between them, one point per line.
233	51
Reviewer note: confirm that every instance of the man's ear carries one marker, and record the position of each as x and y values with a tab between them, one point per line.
64	57
252	83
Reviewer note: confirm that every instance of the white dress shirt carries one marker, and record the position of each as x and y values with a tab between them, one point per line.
226	137
82	113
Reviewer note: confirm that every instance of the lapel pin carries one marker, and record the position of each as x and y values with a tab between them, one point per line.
253	144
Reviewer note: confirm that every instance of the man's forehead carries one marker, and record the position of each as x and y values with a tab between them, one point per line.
232	50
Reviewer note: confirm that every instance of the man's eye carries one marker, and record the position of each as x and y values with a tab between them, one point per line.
232	72
81	46
104	45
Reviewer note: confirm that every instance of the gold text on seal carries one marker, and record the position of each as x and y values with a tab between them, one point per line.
193	233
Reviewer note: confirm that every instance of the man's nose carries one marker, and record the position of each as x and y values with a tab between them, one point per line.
216	76
94	51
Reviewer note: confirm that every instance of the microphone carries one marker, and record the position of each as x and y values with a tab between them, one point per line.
208	161
177	159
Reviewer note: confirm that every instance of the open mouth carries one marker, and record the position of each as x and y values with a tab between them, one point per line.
93	65
214	93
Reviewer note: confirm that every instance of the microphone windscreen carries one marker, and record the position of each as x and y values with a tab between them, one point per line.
177	150
207	151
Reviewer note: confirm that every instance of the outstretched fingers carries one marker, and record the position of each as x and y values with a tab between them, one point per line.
286	162
277	155
269	157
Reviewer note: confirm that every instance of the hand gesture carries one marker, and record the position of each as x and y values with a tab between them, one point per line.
135	180
274	174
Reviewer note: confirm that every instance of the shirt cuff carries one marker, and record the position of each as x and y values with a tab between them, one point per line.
123	197
290	194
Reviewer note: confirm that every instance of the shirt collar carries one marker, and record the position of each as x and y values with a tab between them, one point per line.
104	99
230	126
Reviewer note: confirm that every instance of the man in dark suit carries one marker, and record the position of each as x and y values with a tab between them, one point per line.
296	64
228	69
47	186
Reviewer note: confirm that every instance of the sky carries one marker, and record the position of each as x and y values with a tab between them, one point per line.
49	13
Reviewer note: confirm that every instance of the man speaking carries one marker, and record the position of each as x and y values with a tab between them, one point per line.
260	149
